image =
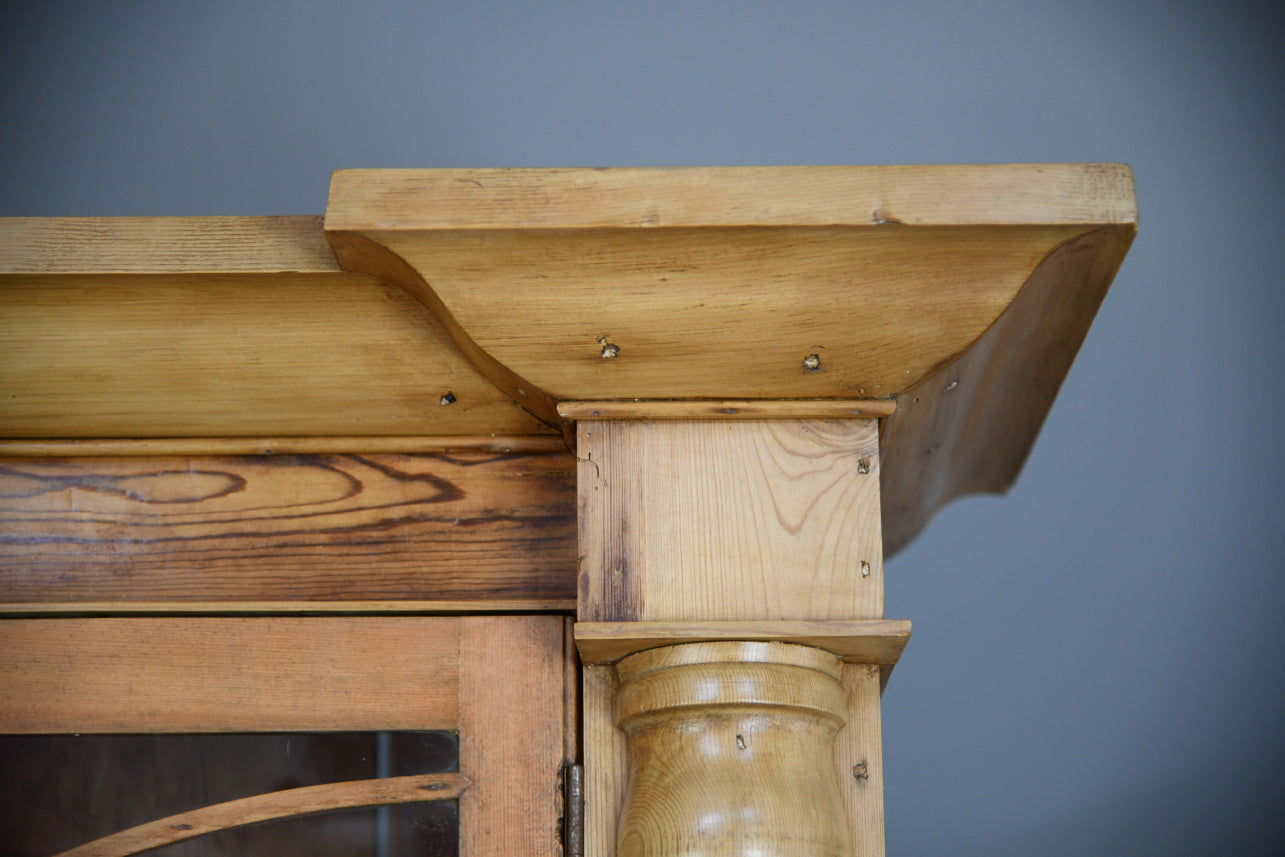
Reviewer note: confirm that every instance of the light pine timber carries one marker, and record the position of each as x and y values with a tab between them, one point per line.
722	410
606	760
731	751
571	692
216	327
229	674
890	276
511	734
208	446
37	609
968	427
694	495
103	341
164	245
722	521
858	756
466	526
274	805
705	312
870	642
751	269
643	197
859	741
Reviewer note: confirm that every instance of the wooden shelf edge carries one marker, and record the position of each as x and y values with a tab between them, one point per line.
747	409
876	641
202	446
685	197
46	609
164	245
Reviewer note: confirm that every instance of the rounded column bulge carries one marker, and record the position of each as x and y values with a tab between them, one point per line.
731	751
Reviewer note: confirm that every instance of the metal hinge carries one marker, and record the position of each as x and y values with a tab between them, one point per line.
573	811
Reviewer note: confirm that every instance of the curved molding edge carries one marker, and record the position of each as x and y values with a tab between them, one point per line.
359	253
969	427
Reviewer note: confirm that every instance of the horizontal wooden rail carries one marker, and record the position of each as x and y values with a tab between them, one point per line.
35	609
242	530
748	409
219	327
266	807
876	641
230	674
115	447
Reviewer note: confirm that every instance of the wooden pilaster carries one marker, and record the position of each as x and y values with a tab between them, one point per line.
703	526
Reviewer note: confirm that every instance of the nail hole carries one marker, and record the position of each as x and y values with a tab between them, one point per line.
863	465
610	350
448	398
865	568
812	362
861	771
740	742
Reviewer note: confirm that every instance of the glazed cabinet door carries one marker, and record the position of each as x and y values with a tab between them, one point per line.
318	735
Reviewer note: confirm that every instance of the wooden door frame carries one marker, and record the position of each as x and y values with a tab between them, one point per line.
499	681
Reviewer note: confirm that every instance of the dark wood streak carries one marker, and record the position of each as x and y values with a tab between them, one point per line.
446	491
315	527
615	596
129	487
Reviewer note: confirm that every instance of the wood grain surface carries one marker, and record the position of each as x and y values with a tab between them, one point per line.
731	749
230	674
743	409
961	293
273	805
468	526
858	755
606	760
716	282
582	198
163	327
164	245
505	606
511	742
969	427
870	642
719	313
752	523
207	446
858	759
745	519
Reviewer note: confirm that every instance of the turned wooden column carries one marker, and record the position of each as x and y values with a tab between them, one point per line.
725	564
731	751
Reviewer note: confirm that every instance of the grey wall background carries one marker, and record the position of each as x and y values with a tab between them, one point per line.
1097	657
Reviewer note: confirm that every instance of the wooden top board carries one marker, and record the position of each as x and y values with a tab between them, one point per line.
471	303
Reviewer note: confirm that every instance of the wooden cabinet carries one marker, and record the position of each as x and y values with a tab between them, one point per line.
595	469
499	683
